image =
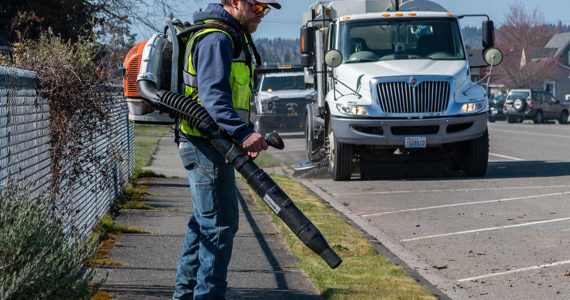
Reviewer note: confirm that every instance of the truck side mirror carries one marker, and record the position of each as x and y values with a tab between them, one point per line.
307	46
333	58
488	31
493	56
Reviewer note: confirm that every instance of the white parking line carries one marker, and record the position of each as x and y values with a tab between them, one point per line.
484	229
464	204
454	190
515	271
507	157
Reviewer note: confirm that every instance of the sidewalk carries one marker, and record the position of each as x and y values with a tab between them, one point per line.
261	265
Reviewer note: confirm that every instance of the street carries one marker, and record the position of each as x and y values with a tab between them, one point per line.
503	236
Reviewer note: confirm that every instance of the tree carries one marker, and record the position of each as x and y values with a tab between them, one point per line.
523	32
107	23
72	18
28	18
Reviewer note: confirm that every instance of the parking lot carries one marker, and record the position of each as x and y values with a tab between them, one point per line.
503	236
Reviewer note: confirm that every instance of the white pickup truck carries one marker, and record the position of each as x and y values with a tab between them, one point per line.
280	98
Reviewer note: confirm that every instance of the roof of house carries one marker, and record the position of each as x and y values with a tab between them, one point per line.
559	40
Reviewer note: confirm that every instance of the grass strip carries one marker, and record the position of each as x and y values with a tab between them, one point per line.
265	160
144	150
147	129
363	273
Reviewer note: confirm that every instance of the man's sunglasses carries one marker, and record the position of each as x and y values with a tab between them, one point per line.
258	8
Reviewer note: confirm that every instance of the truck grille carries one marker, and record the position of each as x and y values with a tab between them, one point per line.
290	107
426	97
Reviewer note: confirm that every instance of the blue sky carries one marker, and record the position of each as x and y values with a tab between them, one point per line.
285	23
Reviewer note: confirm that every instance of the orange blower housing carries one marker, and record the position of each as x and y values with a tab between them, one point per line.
132	66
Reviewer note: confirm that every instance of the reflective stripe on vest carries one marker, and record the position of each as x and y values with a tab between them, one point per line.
241	81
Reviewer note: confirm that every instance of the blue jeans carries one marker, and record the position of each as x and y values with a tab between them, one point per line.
202	269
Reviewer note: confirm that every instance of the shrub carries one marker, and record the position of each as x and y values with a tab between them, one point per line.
71	81
38	260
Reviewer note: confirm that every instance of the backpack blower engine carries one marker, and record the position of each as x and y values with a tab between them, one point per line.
152	75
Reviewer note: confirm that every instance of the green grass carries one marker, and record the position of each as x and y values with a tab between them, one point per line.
265	160
107	225
144	150
138	205
145	129
363	274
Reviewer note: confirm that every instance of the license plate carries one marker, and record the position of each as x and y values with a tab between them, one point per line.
415	142
494	112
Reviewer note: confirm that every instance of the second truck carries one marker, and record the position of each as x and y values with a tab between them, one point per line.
393	84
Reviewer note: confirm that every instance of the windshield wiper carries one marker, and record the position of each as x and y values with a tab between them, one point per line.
360	60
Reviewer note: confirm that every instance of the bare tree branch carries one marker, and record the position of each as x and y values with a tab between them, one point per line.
524	29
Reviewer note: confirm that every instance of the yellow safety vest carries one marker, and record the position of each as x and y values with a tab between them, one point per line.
241	79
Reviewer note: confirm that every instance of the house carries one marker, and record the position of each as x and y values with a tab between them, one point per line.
558	49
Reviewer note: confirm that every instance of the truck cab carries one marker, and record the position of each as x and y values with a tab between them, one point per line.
393	84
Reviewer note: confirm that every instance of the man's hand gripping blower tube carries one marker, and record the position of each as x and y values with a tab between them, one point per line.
189	110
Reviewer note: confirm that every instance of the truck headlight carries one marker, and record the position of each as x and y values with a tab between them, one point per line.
352	109
267	104
472	107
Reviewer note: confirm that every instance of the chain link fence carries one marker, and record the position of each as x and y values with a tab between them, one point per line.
25	158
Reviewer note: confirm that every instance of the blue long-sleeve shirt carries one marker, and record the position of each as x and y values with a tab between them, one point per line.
212	59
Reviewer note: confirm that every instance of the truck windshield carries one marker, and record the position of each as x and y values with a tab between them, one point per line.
279	83
437	39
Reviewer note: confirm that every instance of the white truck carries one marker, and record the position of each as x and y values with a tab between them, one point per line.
393	84
279	99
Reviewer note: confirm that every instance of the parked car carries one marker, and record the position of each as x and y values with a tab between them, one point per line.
280	101
523	104
496	109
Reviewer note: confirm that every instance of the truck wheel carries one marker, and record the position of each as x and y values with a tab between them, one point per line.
563	118
539	118
475	163
340	159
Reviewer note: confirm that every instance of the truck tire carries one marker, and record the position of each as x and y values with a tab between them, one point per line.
539	118
340	159
475	163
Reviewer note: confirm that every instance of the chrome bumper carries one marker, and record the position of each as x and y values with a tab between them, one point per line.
393	132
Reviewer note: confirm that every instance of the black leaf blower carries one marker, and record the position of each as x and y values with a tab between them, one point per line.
152	84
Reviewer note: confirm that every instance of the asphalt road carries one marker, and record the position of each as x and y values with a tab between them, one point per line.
503	236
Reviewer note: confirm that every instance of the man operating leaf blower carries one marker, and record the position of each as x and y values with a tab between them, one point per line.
224	83
214	135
